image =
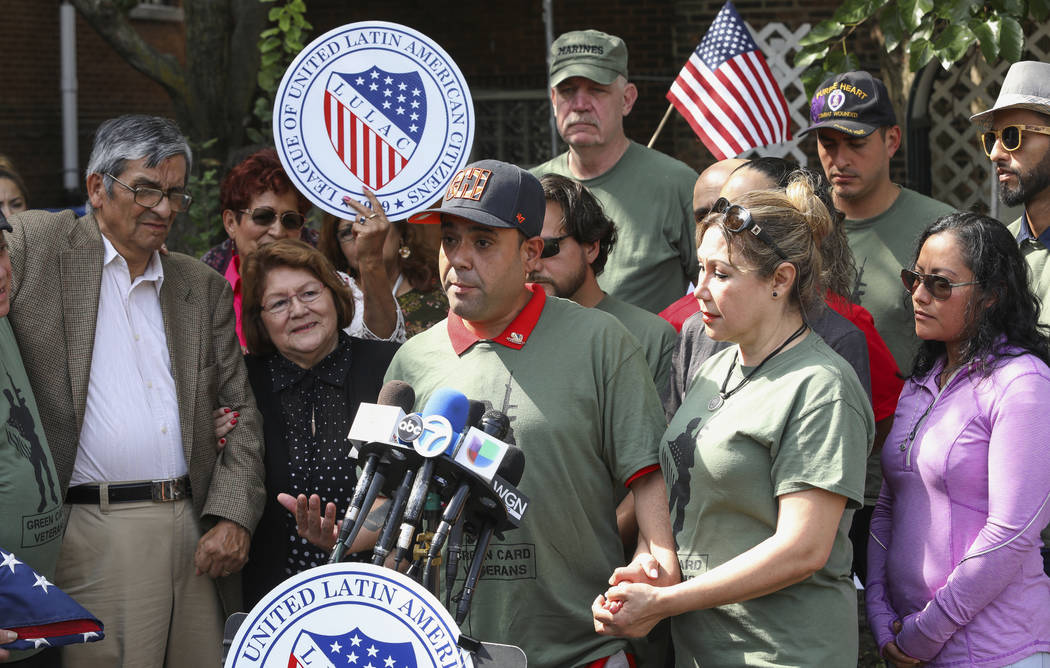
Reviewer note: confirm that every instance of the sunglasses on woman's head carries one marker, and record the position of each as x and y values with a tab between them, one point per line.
737	219
1009	137
938	286
265	215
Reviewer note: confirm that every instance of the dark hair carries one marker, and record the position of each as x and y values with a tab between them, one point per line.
260	172
797	221
295	254
585	219
419	268
1006	306
839	272
10	173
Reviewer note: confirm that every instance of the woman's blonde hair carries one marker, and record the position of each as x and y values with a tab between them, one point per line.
798	221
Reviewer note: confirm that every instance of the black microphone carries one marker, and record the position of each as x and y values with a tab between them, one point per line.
386	538
480	548
393	393
494	423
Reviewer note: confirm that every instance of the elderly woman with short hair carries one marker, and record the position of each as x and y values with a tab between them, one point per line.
308	376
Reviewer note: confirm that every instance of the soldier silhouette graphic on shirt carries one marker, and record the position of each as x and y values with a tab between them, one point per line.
29	446
683	451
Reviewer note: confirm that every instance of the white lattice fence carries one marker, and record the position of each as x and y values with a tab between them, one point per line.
962	174
779	44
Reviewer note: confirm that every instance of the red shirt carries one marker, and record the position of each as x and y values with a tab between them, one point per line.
886	382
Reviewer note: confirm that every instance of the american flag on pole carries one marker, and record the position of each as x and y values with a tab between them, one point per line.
727	93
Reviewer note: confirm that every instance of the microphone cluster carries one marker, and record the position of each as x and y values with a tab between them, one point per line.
448	458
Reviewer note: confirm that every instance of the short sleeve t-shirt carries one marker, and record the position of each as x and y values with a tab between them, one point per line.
882	246
802	422
649	196
30	494
584	410
656	335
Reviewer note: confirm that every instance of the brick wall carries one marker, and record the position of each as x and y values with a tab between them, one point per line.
498	46
30	94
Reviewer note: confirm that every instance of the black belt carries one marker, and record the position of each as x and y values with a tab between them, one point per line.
159	491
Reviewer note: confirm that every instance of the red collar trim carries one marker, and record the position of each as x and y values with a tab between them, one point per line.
515	336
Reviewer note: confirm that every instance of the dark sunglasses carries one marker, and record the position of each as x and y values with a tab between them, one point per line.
1009	137
552	245
938	286
737	219
265	215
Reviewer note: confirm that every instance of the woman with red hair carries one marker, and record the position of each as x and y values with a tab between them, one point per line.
259	206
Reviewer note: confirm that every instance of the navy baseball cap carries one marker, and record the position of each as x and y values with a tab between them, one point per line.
492	193
855	103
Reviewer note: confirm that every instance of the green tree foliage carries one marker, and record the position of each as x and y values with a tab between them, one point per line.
919	31
278	46
222	91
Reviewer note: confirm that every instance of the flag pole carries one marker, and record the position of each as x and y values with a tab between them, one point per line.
667	114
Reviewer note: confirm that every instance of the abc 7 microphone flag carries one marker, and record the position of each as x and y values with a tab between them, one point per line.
377	106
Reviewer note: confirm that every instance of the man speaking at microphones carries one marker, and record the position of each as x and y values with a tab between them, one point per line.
582	407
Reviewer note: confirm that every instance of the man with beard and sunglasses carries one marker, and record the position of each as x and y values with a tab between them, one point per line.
577	239
857	135
1015	133
647	194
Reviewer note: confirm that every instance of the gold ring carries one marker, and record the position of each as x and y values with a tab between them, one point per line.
374	215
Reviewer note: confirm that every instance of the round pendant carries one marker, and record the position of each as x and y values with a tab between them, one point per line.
715	403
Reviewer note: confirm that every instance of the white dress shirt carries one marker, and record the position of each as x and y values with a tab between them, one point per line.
131	422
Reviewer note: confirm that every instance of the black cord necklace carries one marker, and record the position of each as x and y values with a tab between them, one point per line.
717	401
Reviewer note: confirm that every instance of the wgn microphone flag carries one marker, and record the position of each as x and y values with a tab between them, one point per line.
39	612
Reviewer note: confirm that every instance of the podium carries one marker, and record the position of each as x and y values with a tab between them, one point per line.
355	614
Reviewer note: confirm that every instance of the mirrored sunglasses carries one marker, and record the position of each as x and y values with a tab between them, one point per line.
938	286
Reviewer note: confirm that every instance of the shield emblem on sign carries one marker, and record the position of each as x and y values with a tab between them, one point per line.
355	649
375	120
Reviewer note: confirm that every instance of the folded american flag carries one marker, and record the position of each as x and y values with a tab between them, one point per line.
39	612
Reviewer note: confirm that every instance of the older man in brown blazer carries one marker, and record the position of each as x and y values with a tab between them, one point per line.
128	351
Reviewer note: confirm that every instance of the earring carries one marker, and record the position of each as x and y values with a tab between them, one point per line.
774	294
405	252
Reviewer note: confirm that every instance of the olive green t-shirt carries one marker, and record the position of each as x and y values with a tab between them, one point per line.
584	410
30	494
656	335
882	246
649	195
802	422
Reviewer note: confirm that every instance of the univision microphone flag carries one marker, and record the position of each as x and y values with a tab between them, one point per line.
39	612
727	93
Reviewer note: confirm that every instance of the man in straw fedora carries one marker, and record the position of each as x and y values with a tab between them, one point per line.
1015	133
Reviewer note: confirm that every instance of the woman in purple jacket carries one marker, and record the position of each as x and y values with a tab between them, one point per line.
955	576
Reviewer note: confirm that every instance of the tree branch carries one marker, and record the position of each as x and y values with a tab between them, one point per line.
113	26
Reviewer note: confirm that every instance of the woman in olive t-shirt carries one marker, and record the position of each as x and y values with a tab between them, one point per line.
764	460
